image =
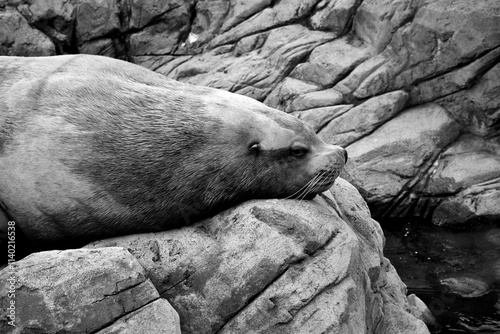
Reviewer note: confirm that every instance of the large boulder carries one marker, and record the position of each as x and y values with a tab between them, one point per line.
279	266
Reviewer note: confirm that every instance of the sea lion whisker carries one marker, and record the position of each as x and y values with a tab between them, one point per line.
304	188
310	185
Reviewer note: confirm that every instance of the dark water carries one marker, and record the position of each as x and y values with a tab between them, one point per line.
424	255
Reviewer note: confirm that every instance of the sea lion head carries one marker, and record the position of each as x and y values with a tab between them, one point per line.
271	154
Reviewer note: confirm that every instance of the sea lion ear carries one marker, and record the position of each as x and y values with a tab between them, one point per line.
254	148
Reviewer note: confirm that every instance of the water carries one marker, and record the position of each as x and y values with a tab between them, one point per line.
426	256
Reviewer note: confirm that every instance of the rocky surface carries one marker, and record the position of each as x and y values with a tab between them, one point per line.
414	82
279	266
83	291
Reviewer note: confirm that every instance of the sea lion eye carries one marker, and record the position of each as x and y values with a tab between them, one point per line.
298	150
254	148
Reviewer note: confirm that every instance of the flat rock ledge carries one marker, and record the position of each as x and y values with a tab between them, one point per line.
267	266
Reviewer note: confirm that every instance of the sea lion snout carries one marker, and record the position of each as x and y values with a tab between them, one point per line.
336	156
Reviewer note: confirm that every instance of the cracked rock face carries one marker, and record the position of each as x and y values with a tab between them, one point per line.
279	266
348	67
83	291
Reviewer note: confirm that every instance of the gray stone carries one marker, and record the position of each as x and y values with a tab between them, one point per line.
278	266
363	119
74	291
18	38
387	163
466	286
330	62
478	108
157	317
333	16
283	12
318	118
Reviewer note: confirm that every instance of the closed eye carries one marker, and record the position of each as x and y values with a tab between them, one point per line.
298	151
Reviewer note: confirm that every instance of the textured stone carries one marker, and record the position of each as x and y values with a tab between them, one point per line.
268	18
433	43
324	98
284	95
171	26
454	81
386	164
478	108
363	119
157	317
468	161
55	18
75	291
17	38
349	84
241	10
96	18
257	72
466	286
319	117
477	204
377	20
422	312
328	63
333	16
277	266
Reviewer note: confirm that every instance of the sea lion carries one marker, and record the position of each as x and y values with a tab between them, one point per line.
93	147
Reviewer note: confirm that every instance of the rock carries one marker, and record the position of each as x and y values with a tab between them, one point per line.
105	47
76	291
422	312
170	28
466	286
241	10
469	173
277	266
55	19
477	204
157	317
17	38
469	161
349	84
96	18
285	94
453	81
363	119
324	98
376	20
394	319
148	13
478	108
257	72
330	62
386	165
319	117
412	53
281	13
333	15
